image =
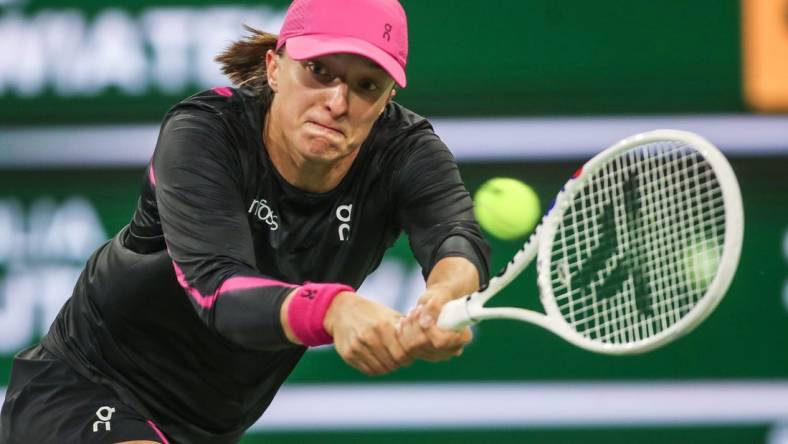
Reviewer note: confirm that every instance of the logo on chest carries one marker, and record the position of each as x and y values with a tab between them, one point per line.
264	213
344	213
104	414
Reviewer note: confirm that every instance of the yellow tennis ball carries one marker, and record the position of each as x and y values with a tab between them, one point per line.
507	208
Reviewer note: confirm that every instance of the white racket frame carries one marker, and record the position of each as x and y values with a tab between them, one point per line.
469	310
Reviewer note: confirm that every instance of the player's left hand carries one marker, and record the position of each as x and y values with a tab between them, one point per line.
421	337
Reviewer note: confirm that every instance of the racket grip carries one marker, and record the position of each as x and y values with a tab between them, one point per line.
454	315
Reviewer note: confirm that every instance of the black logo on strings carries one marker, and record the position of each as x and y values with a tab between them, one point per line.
387	32
608	249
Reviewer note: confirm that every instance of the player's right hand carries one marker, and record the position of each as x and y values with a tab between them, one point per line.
365	335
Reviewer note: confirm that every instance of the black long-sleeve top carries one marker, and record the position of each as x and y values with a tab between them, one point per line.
179	312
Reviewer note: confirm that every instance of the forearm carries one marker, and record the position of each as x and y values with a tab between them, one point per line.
248	317
453	277
283	319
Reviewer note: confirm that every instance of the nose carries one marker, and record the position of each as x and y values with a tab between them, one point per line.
337	101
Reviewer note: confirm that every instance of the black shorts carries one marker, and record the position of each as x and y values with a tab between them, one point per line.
48	402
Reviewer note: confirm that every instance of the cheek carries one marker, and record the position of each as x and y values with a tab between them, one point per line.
292	95
292	112
366	117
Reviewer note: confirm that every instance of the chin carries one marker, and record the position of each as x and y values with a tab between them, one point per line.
318	149
320	158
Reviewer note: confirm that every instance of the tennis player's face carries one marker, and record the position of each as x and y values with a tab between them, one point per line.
327	105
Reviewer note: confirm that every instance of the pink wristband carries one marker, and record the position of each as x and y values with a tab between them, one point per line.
307	310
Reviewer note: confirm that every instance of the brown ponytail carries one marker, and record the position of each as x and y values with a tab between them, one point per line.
244	61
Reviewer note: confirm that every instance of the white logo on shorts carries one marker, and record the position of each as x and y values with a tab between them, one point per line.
104	414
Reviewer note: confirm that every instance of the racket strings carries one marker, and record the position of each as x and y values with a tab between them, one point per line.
673	312
580	236
635	250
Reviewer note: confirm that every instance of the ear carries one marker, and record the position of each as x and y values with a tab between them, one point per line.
272	69
391	96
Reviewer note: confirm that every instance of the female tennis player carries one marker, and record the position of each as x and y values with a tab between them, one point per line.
263	208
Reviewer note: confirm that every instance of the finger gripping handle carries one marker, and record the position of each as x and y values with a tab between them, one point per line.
454	315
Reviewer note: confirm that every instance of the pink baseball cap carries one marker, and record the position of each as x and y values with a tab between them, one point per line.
375	29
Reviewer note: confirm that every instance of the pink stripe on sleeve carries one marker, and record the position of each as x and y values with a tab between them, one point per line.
234	283
158	432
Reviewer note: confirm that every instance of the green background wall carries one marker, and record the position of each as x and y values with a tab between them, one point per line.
467	58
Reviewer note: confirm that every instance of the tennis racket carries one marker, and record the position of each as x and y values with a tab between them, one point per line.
637	249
